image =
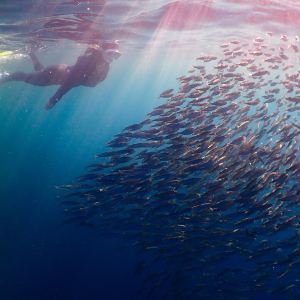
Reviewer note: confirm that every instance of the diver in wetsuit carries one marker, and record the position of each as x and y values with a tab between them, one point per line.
89	70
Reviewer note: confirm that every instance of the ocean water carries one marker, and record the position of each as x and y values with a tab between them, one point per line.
40	257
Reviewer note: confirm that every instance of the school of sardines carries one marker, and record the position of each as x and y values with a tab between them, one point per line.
208	186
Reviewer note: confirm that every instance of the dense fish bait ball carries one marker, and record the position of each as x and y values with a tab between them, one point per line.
209	184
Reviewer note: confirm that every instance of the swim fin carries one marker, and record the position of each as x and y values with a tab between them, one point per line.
2	76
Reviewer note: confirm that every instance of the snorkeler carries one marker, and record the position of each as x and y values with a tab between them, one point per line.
89	70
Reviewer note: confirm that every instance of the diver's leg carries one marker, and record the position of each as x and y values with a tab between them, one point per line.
17	76
36	62
53	75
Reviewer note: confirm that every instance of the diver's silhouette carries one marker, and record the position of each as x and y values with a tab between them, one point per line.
89	70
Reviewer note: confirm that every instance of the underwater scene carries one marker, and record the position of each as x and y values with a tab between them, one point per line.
150	149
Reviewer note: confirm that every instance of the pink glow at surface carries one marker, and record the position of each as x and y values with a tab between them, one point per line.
136	23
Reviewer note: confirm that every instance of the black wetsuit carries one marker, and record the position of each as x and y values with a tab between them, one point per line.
88	71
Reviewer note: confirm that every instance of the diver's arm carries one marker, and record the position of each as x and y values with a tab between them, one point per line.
72	80
58	95
76	75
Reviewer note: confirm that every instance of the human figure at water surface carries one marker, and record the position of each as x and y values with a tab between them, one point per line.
89	70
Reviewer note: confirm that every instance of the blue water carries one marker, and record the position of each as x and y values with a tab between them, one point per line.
41	150
39	257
